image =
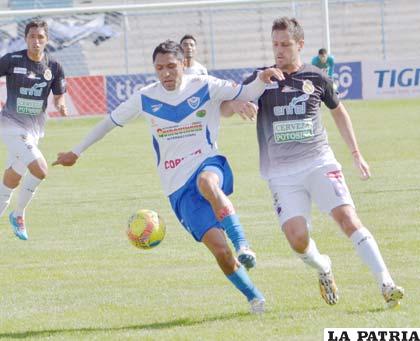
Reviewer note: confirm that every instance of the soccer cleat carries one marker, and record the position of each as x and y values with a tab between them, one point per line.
392	295
18	226
327	286
257	305
247	257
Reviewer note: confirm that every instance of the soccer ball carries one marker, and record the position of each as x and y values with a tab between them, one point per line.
146	229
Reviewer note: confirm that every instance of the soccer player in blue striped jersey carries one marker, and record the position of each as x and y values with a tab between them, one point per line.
183	112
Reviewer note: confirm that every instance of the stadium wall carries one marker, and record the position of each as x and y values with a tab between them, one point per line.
355	80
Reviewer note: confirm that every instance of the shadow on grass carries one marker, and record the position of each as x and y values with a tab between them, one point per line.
371	310
186	322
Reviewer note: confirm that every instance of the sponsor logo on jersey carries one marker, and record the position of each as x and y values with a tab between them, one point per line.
296	130
171	164
176	132
35	90
156	107
201	113
47	75
29	106
297	106
308	87
193	102
16	56
20	70
32	75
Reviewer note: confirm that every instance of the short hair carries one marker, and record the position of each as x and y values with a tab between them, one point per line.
38	24
169	46
322	51
187	36
289	24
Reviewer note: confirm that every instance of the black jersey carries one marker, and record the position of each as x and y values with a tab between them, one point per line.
289	126
28	86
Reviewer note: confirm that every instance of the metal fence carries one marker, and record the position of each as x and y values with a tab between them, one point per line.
120	39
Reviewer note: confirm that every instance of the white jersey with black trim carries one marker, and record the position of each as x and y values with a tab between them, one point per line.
184	123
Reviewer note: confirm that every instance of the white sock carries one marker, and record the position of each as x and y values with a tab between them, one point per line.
26	193
5	195
314	259
368	251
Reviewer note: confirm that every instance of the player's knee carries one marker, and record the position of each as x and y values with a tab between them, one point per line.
223	255
348	220
38	169
207	183
299	243
40	173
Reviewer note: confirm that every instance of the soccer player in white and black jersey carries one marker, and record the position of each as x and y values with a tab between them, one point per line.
183	112
30	76
299	165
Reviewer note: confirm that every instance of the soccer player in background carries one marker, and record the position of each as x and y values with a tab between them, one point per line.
325	62
183	112
30	76
299	165
191	66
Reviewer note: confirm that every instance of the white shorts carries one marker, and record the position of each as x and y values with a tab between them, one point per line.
325	185
22	150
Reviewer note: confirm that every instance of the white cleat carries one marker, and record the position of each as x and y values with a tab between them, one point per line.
257	306
327	286
247	257
393	295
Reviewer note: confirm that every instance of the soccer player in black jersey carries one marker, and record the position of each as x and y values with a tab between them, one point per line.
30	76
299	164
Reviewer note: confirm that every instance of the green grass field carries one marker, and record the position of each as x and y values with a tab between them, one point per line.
78	278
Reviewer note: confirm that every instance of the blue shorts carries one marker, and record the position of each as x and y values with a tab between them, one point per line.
192	210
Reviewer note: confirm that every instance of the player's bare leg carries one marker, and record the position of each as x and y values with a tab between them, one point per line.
37	172
209	186
215	240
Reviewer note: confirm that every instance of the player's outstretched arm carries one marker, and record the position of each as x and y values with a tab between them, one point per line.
247	110
97	133
344	125
254	89
272	72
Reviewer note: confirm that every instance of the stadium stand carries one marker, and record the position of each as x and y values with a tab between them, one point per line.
239	36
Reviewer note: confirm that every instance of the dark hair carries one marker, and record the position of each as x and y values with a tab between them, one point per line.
169	46
289	24
187	36
322	51
38	24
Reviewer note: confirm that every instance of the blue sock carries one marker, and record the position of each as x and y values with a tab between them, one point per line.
242	281
234	231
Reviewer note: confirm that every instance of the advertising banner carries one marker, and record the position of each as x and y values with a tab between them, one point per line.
400	79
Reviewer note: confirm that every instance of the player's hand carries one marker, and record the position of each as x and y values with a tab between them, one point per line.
62	109
360	163
269	73
66	159
247	110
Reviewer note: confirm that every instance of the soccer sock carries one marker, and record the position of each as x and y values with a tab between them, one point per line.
26	193
241	280
314	259
368	251
232	226
5	195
